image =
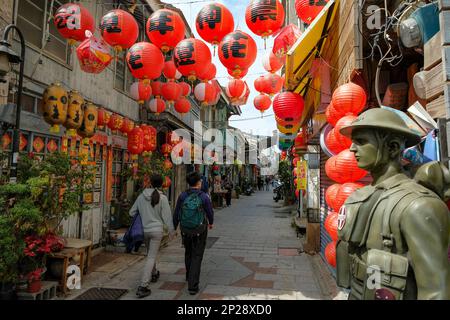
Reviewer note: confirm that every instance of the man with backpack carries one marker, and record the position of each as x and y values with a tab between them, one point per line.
195	214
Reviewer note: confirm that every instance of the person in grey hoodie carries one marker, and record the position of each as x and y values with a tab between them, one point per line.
154	209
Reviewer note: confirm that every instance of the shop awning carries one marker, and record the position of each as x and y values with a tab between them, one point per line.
307	48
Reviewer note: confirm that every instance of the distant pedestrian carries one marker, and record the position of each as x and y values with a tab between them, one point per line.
195	214
154	209
267	183
228	186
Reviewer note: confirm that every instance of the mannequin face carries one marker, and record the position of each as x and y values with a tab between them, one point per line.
365	147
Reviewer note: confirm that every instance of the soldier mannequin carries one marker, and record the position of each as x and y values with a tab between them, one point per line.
394	233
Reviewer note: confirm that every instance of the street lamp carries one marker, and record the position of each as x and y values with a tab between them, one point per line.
7	57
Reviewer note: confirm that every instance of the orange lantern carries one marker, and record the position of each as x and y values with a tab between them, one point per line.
214	21
333	143
264	17
308	10
331	223
208	73
115	122
74	113
349	98
332	114
190	57
344	168
136	141
145	61
344	122
344	191
127	126
260	84
237	52
204	92
288	105
90	117
171	91
157	105
170	71
182	106
331	193
272	83
165	28
272	63
330	254
262	102
55	103
140	91
103	118
235	89
167	182
166	149
72	20
119	29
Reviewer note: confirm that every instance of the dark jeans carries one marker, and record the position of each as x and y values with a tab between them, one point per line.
228	198
194	249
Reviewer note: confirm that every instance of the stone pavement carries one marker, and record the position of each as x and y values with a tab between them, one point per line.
252	253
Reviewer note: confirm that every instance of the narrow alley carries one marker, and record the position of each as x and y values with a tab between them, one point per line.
252	253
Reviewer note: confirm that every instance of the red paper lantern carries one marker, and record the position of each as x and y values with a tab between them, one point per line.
237	52
214	21
330	195
344	191
239	76
204	92
171	91
344	122
182	105
332	114
185	89
288	105
72	20
170	71
295	161
235	89
115	122
127	126
285	39
260	84
140	91
119	29
273	83
149	138
145	61
157	105
262	102
167	164
264	17
167	182
308	10
344	168
300	141
272	63
349	99
136	141
157	88
166	149
330	254
331	223
333	143
283	156
93	55
191	56
165	28
103	118
208	73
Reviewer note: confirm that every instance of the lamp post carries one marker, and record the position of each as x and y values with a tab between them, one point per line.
8	56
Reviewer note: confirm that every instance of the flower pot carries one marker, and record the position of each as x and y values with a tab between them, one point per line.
34	286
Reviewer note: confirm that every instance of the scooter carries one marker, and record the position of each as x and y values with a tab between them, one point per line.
248	190
278	193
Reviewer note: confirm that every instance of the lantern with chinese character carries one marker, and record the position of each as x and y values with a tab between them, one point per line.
237	52
272	63
264	17
344	168
140	91
166	149
235	89
149	135
74	113
55	102
136	141
182	106
72	20
191	56
204	92
262	102
145	61
157	88
307	10
127	126
156	105
119	29
167	164
285	39
165	28
214	21
208	73
115	122
349	98
93	54
330	254
167	182
288	105
185	89
330	195
273	83
331	225
171	91
103	118
170	71
90	117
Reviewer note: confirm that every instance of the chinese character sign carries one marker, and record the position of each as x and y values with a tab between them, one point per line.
302	175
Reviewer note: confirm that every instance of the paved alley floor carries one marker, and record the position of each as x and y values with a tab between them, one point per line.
252	253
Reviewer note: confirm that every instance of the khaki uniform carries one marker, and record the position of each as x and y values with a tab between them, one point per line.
393	244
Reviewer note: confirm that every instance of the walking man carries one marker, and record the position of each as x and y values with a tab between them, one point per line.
195	214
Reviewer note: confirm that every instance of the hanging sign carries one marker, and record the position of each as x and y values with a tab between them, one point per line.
301	177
